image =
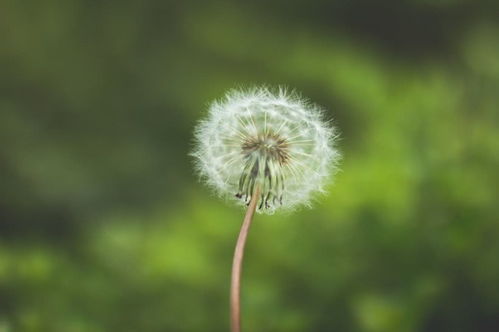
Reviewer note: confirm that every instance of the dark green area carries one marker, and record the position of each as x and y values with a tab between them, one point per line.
104	227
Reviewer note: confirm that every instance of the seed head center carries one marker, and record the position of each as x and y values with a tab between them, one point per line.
265	156
269	146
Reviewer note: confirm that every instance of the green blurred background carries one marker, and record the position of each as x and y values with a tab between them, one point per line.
104	226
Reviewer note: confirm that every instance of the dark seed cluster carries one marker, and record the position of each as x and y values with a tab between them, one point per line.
265	156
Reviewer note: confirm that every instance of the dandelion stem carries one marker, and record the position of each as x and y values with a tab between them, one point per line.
235	288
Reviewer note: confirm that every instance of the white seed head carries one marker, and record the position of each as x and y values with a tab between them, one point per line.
276	141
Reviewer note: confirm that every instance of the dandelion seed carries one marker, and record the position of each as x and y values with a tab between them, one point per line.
278	142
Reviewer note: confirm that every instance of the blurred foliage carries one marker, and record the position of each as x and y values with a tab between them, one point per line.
104	227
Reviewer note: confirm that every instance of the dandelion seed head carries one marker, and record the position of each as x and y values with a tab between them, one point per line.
276	141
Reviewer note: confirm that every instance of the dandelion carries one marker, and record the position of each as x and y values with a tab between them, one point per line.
268	151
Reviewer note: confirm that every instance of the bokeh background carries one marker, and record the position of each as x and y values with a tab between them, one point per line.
104	226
